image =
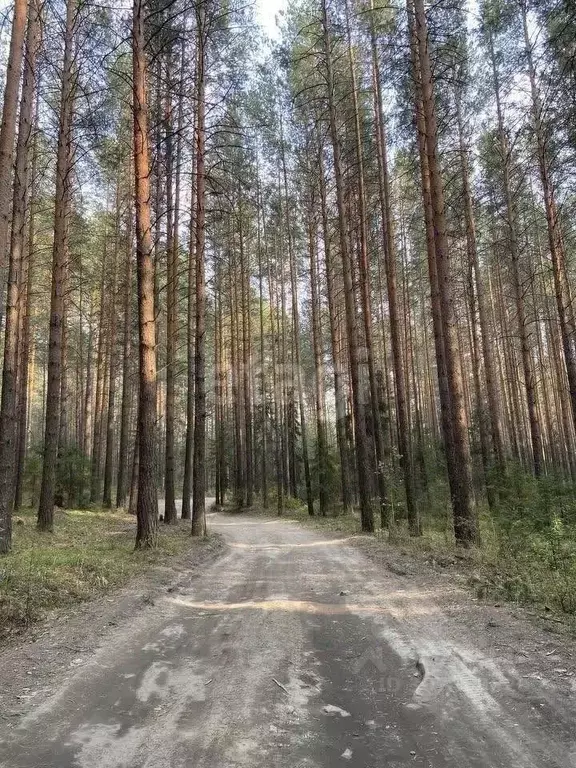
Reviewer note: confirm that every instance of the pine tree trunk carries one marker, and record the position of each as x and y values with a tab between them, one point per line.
110	445
491	381
59	268
465	523
62	484
365	292
100	383
263	396
199	452
525	341
246	361
7	133
320	399
86	432
389	248
296	334
561	284
170	514
276	394
147	501
133	500
26	342
362	454
445	405
122	478
239	453
190	334
339	396
218	393
16	287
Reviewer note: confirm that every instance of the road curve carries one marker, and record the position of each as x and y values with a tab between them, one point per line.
294	650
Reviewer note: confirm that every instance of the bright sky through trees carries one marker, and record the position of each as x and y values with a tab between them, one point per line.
267	11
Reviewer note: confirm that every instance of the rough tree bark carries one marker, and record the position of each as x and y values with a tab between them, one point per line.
8	130
464	513
21	197
59	269
147	501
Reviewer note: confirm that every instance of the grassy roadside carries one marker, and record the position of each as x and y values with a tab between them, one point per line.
537	571
91	552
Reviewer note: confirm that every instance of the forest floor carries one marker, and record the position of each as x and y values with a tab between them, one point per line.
89	554
294	648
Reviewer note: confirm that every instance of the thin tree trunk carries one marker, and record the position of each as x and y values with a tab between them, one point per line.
264	442
85	441
561	284
121	483
62	484
110	452
391	285
199	453
170	514
239	453
190	334
26	346
276	393
133	500
362	454
296	332
320	399
525	342
365	293
491	382
246	361
218	404
339	396
100	384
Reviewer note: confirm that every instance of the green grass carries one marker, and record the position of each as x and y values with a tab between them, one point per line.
89	554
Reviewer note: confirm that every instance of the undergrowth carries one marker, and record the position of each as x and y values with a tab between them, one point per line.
89	553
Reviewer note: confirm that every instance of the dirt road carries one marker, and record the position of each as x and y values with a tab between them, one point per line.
295	650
